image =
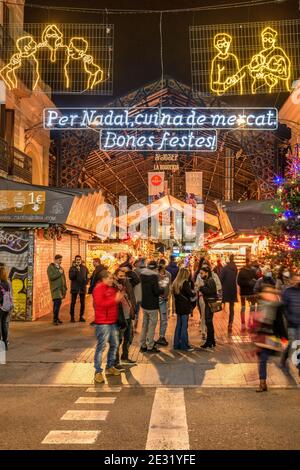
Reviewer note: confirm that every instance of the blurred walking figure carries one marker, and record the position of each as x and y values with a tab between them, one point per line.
269	329
106	299
291	300
228	279
246	281
58	286
6	305
183	295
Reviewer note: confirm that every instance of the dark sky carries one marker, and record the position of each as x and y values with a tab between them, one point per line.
137	41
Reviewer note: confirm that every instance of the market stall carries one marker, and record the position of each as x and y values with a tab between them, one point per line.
37	222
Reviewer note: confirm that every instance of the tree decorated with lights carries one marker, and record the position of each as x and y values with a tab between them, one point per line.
285	235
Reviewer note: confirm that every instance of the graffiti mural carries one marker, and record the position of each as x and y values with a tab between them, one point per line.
16	254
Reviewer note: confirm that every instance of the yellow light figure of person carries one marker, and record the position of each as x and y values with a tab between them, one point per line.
27	48
77	52
224	66
266	69
271	65
52	38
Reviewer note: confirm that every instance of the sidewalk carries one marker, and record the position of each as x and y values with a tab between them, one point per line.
40	353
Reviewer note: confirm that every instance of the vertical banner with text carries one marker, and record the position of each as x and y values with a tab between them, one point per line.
156	185
193	188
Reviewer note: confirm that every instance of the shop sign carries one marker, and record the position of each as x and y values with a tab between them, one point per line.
166	162
160	129
22	202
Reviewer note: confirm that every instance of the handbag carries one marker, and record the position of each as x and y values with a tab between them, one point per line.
215	306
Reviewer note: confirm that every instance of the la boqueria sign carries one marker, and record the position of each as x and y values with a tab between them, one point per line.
160	129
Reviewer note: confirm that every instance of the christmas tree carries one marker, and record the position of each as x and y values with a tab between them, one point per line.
284	237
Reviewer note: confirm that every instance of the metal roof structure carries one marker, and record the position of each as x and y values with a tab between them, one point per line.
83	164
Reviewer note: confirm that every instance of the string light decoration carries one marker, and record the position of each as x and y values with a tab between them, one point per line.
246	58
70	58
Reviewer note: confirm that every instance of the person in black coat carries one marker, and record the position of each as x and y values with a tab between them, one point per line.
246	281
228	277
210	294
78	275
99	267
183	296
150	305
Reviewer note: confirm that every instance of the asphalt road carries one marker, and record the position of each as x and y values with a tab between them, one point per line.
216	418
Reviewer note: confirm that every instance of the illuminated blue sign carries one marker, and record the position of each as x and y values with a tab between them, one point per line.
160	129
159	140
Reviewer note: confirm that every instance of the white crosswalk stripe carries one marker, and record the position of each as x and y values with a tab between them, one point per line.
71	437
85	415
103	389
168	423
96	400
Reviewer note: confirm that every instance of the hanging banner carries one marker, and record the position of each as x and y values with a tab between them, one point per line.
193	187
156	185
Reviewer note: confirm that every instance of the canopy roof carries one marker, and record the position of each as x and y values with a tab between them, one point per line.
75	208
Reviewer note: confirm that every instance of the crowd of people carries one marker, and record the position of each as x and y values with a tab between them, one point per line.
160	288
157	289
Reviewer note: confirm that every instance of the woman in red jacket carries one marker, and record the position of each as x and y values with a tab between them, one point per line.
106	299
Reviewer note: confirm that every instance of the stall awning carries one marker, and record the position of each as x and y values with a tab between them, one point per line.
246	216
22	204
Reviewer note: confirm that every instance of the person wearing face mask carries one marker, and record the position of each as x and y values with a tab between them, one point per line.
266	280
125	334
291	301
283	279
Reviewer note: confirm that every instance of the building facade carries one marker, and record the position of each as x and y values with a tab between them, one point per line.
24	144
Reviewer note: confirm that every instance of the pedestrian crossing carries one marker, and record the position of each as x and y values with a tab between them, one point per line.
168	428
83	437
